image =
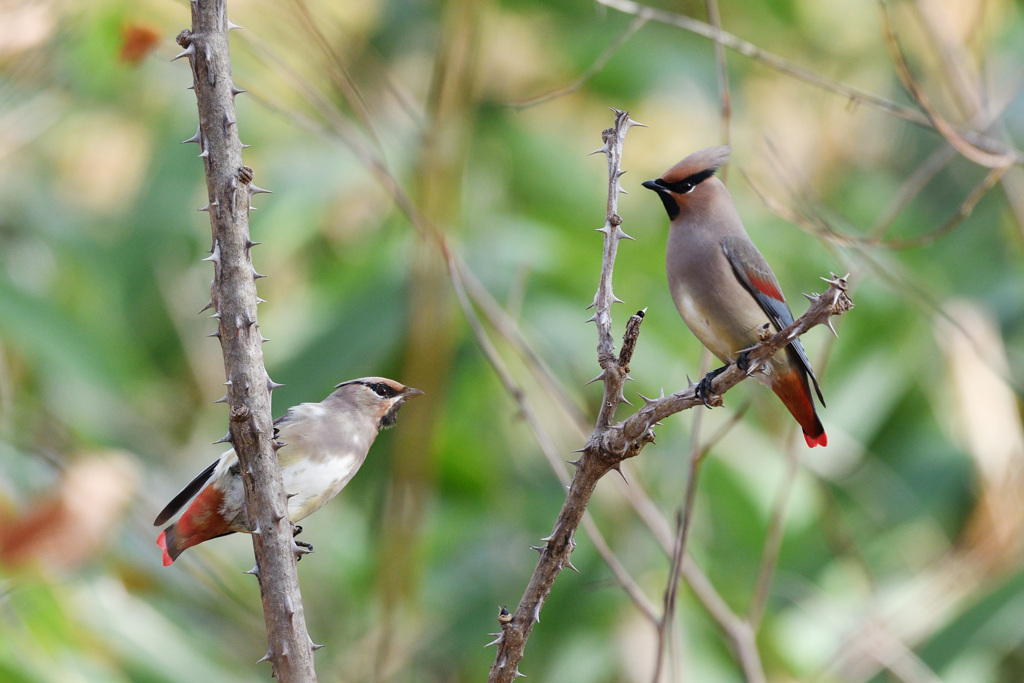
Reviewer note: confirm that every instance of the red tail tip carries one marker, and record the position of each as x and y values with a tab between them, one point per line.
812	441
161	542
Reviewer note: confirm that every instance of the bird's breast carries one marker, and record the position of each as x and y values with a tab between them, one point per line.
311	482
712	302
697	319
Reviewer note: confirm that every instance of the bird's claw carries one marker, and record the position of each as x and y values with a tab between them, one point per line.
743	362
704	390
306	549
302	548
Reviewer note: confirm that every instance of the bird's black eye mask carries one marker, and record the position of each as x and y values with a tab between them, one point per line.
382	390
386	391
687	184
684	186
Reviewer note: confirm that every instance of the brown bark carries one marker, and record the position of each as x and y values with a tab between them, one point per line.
233	299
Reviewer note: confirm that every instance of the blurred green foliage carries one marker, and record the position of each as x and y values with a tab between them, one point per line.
901	542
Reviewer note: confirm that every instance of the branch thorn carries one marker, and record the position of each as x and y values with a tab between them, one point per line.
187	52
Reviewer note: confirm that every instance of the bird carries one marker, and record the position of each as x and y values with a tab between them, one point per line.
321	447
722	286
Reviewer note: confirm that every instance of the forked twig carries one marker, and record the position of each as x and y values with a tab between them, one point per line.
611	443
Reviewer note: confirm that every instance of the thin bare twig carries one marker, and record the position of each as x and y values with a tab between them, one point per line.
590	72
772	542
816	226
959	72
683	520
964	81
739	632
338	72
979	140
671	591
724	96
683	564
911	188
503	324
614	373
970	150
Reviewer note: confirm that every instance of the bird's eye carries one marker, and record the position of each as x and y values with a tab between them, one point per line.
681	187
382	390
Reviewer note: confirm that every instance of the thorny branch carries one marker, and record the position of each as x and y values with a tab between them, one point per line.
611	443
233	299
554	555
621	439
547	446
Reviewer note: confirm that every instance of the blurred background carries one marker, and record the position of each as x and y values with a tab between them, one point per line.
894	554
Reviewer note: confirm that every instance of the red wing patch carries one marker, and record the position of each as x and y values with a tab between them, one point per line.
766	287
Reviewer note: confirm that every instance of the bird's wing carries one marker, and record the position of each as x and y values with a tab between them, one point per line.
186	494
757	277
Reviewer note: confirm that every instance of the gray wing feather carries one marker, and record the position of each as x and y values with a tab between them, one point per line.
744	257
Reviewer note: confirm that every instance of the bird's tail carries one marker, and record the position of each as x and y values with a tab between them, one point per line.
200	522
170	542
792	387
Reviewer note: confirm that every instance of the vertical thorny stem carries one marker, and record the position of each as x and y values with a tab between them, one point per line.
613	373
593	463
233	299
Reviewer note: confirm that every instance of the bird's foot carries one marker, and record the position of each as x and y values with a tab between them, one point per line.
743	361
296	530
302	549
704	391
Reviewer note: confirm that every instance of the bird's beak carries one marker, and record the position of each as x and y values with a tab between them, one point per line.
668	199
409	392
653	185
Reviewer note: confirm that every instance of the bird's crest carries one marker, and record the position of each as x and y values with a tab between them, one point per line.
695	168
